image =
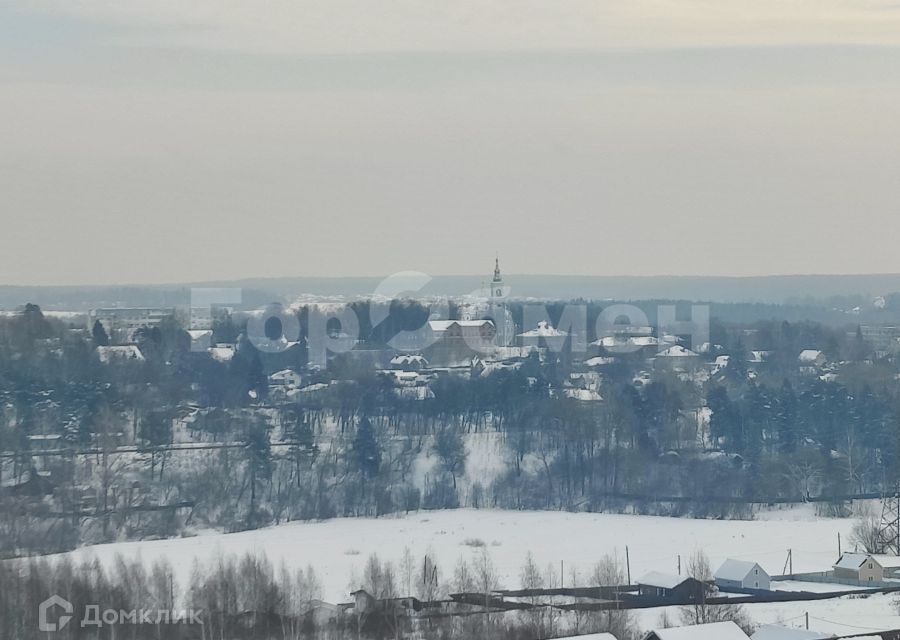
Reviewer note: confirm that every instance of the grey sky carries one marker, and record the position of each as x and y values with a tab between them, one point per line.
173	140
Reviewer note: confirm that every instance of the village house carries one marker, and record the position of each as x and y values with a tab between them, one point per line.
619	345
678	356
405	362
664	585
129	318
777	632
457	341
323	613
284	378
858	566
124	353
366	604
739	574
812	358
714	631
201	339
222	352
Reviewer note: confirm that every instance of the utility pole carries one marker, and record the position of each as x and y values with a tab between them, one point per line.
628	564
807	620
789	563
679	564
839	545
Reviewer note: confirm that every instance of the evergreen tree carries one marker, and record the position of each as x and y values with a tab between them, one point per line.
786	418
365	446
725	421
101	338
259	460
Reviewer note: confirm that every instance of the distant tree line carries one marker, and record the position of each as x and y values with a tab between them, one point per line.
752	431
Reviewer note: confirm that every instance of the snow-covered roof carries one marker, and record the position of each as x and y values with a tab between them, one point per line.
591	636
714	631
310	388
853	561
661	580
736	570
491	368
285	375
404	359
677	351
631	329
626	341
405	377
585	395
222	353
810	355
123	352
598	361
544	330
443	325
508	353
777	632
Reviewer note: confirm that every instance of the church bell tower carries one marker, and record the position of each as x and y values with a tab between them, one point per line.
497	282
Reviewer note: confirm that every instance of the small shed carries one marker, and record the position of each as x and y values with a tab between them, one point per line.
858	566
714	631
741	574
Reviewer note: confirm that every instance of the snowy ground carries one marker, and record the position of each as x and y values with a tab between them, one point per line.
339	548
843	616
811	587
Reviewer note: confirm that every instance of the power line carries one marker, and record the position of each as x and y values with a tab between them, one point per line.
849	626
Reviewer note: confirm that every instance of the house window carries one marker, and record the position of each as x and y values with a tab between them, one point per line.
870	565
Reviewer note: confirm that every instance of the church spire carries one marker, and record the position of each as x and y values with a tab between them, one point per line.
497	277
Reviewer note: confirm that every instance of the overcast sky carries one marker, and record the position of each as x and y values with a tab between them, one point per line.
173	140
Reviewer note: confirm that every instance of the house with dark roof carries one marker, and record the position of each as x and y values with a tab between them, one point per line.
664	585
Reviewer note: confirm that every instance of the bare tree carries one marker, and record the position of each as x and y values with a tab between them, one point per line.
865	531
609	572
530	578
700	612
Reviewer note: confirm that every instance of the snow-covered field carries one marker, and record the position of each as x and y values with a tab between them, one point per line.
338	549
843	616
